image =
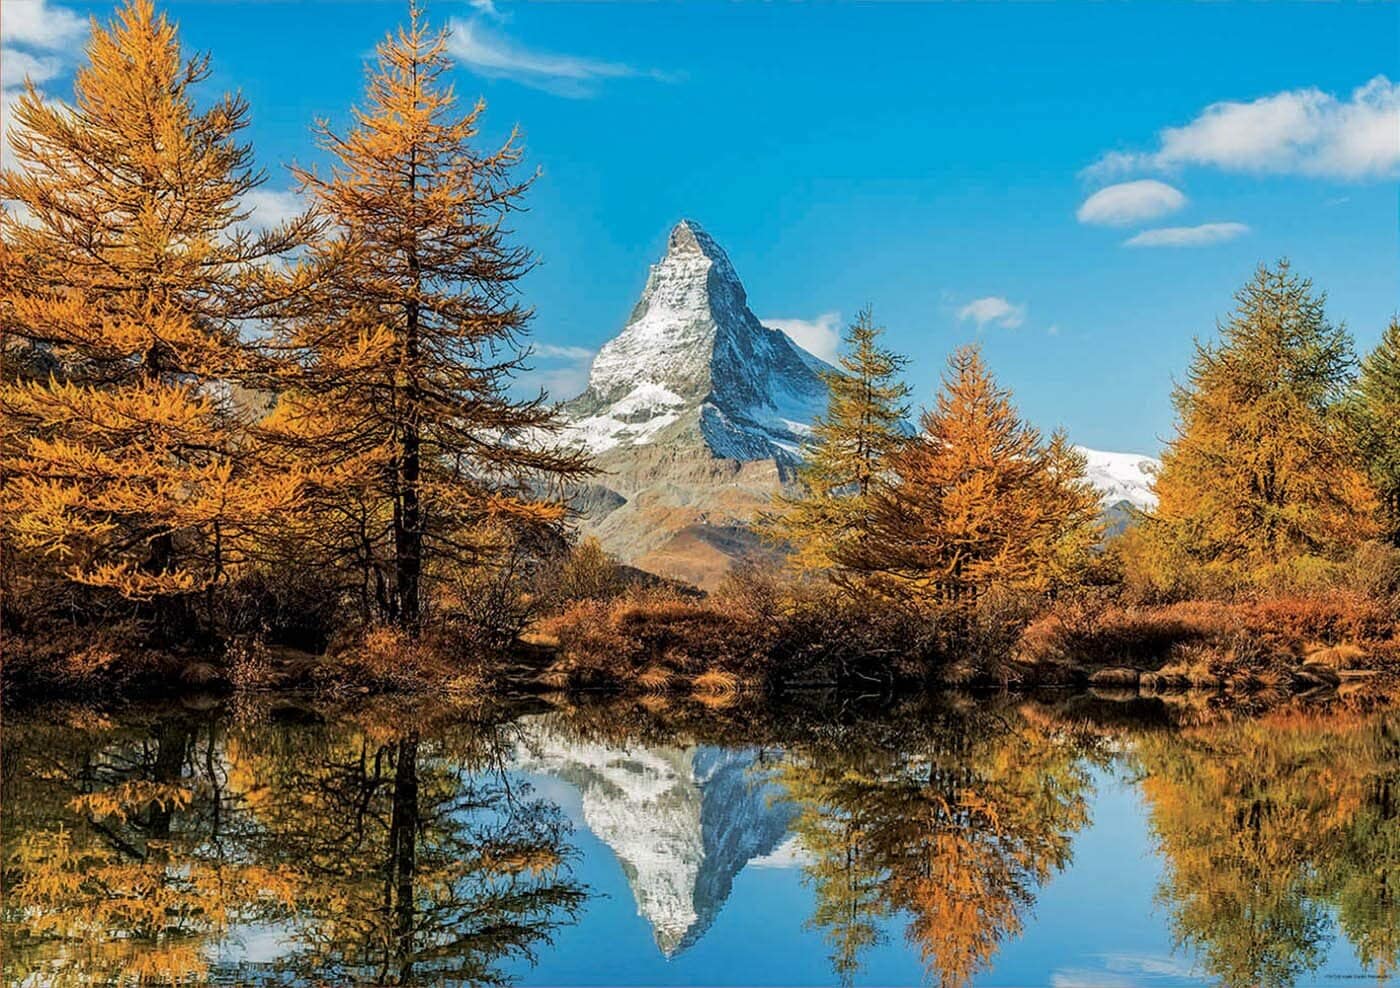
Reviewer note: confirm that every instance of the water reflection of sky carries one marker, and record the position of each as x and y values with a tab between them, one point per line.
1097	924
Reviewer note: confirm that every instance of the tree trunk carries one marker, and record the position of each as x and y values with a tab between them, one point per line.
403	838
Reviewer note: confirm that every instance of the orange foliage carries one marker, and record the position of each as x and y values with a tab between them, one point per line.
130	268
977	500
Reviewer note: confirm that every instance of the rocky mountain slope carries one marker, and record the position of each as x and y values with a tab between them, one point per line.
695	413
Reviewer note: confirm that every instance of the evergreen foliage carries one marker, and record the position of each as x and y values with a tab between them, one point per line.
863	424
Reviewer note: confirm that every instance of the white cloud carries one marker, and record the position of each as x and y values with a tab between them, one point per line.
1153	965
40	24
486	8
270	208
16	66
993	310
495	56
1130	202
1081	978
820	336
1188	236
550	350
567	373
1294	132
41	41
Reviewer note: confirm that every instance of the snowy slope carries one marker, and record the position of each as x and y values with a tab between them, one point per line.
1122	477
693	355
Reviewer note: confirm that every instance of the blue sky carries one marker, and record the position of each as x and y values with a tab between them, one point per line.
937	161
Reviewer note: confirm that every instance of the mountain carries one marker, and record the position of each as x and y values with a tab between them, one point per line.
1122	477
694	366
695	413
683	822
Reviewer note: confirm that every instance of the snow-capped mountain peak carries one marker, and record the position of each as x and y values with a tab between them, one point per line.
693	357
1120	477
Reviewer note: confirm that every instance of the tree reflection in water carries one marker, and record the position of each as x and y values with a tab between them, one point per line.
1267	826
955	821
382	856
393	845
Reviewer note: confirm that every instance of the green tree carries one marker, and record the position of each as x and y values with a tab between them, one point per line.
1375	407
863	424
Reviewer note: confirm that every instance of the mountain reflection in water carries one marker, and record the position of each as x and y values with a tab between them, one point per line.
948	840
683	821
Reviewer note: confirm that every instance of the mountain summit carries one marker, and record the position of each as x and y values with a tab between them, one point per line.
694	362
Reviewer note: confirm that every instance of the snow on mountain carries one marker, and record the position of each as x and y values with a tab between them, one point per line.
693	356
683	822
1120	477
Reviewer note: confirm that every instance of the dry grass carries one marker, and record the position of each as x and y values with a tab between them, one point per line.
715	683
757	627
383	659
1251	645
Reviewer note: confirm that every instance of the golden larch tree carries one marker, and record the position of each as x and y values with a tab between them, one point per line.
976	500
129	270
863	424
403	354
1262	468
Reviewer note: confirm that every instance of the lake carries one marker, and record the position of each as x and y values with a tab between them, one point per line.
1051	840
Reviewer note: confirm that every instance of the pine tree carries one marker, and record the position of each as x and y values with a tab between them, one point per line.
1261	468
129	272
863	425
976	500
1375	408
406	347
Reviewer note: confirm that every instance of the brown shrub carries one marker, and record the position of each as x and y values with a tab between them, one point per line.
1250	644
1112	634
385	659
86	660
585	572
758	626
1329	618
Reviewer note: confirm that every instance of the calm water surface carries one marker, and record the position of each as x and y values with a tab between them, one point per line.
998	841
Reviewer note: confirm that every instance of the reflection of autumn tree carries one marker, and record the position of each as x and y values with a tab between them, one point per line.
416	860
957	826
116	865
131	851
1266	825
846	875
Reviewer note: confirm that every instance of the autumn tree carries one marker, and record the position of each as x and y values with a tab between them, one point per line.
415	858
130	269
862	425
976	500
136	849
847	882
1261	469
1375	409
404	351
